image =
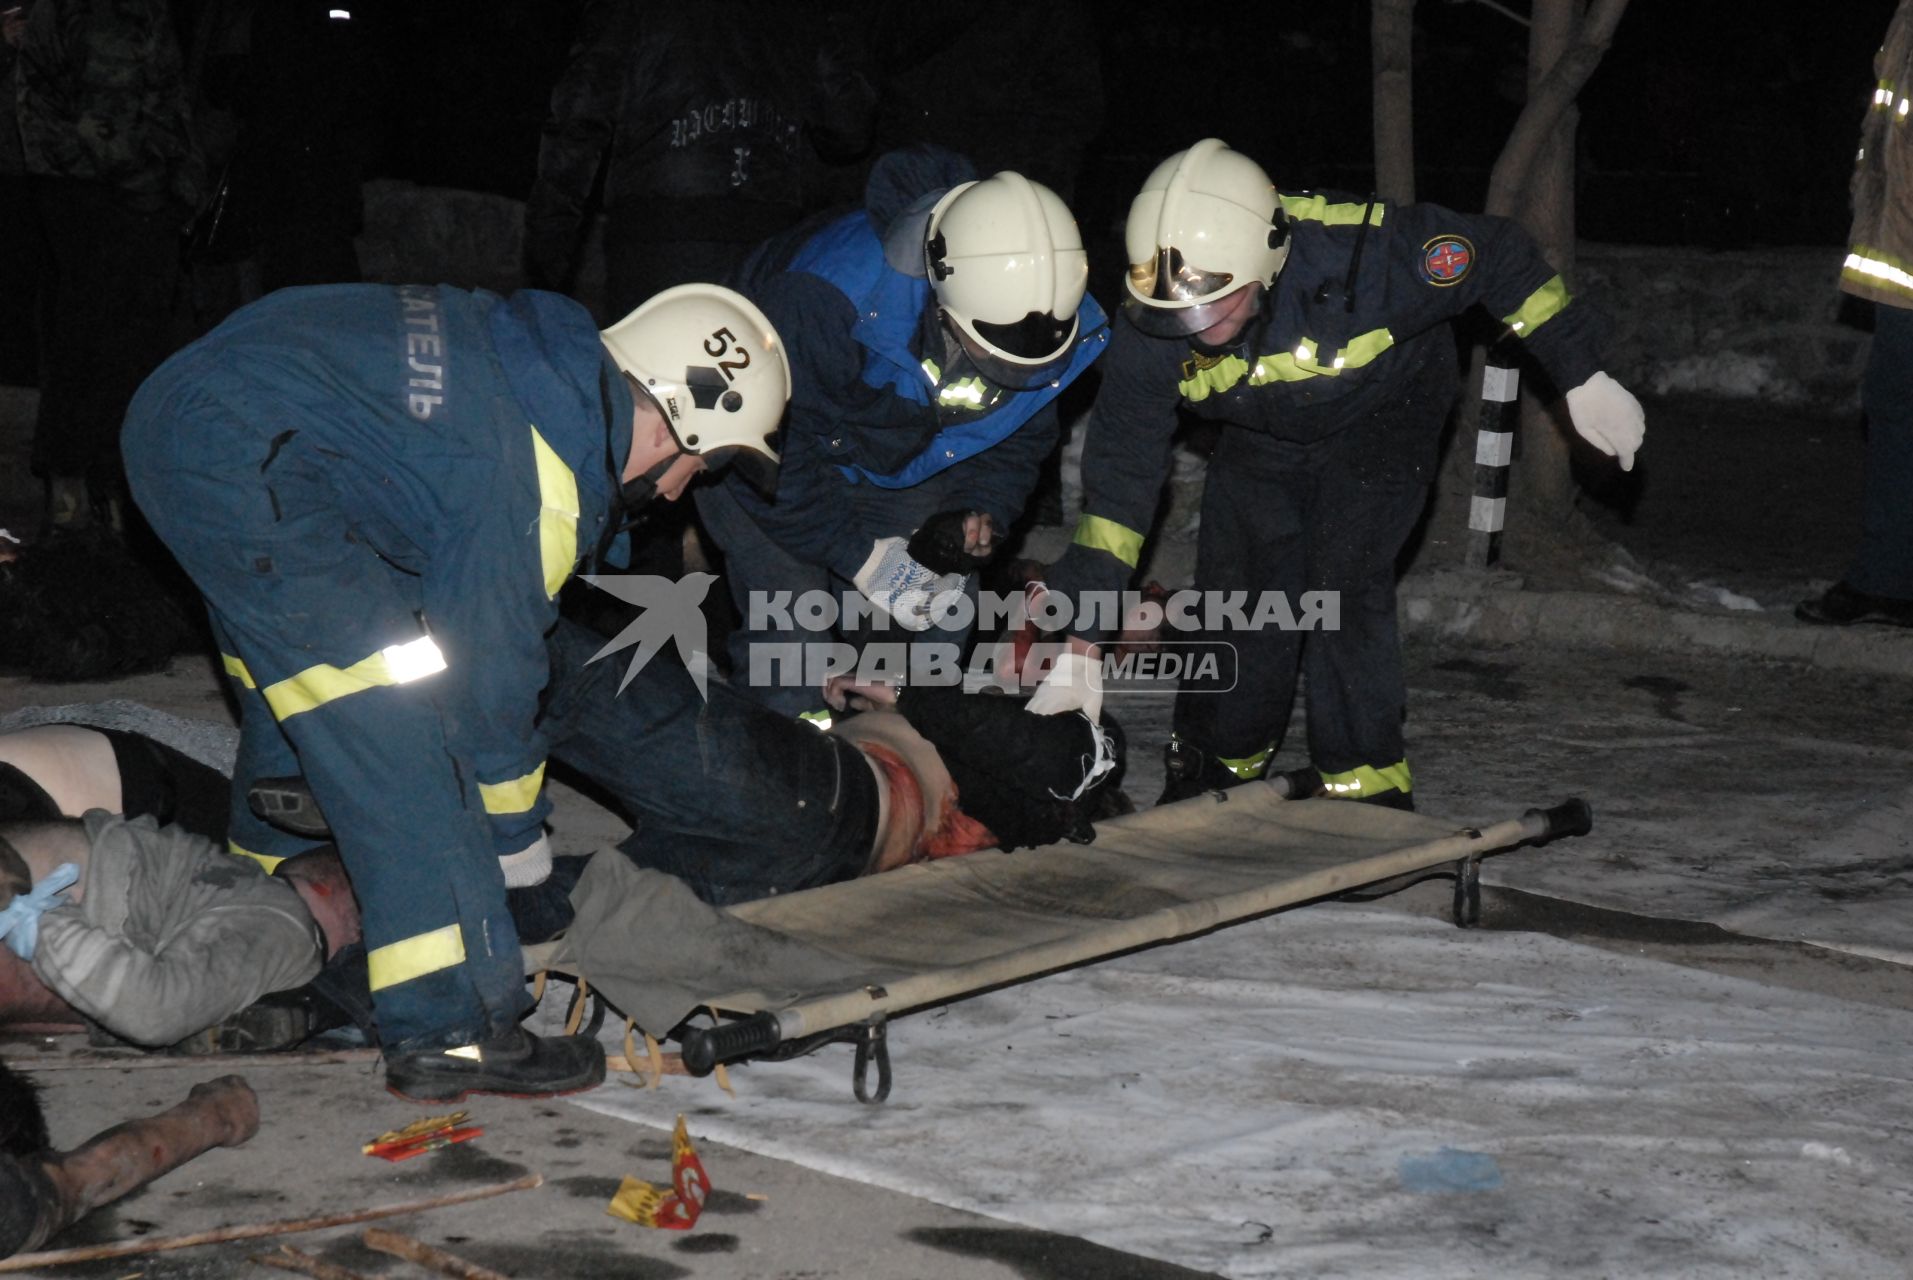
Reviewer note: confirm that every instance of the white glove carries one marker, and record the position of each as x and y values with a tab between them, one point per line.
1609	417
906	589
529	866
1075	683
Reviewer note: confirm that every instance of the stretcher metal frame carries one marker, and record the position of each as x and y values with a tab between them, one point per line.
860	1017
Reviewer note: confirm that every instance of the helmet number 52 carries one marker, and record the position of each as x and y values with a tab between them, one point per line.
724	343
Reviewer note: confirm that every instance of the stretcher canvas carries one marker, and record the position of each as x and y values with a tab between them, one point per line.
937	930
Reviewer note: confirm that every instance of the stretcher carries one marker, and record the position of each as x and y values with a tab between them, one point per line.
785	975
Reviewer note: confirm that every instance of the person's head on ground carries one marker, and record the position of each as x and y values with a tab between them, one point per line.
41	845
1205	238
318	877
1006	264
709	381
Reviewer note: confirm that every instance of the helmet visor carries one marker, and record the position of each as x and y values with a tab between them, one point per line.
1025	354
1168	298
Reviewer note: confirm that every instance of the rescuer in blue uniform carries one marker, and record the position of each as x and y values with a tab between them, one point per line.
1313	328
929	333
380	491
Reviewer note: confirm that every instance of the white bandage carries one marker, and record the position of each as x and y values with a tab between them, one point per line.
1075	683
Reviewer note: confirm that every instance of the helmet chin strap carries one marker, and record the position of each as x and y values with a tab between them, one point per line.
639	493
634	498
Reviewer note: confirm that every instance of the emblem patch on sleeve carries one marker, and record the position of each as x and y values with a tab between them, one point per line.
1445	260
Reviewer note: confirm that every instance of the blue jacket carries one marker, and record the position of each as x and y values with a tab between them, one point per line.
867	453
463	436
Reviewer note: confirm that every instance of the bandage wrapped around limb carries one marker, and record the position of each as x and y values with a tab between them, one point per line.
1032	780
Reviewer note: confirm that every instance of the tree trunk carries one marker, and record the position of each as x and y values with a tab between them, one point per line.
1392	42
1551	96
1533	181
1542	483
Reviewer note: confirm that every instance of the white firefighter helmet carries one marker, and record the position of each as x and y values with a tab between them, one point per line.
716	369
1007	265
1205	224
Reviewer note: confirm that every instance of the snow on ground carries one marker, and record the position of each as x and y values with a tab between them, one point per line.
1355	1091
1349	1091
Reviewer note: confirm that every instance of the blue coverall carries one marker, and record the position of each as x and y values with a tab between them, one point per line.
379	492
880	434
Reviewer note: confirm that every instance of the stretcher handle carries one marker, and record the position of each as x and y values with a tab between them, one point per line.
704	1047
1572	817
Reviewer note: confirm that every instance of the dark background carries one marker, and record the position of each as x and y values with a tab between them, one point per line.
1716	123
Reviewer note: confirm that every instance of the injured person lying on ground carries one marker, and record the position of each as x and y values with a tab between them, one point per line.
155	933
162	934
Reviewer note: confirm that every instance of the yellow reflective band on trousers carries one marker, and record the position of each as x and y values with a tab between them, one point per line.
424	953
237	670
1369	781
1318	209
557	514
316	686
1248	768
515	796
1306	361
1878	270
1541	306
1100	534
265	860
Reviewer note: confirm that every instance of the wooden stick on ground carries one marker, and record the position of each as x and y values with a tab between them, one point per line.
426	1256
229	1061
291	1259
285	1226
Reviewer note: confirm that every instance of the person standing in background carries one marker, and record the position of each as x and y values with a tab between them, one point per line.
1878	586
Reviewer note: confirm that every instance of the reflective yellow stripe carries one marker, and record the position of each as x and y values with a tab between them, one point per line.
1542	306
1247	767
515	796
397	962
967	391
932	370
1318	209
265	860
1368	781
1306	361
316	686
817	719
1106	535
237	670
1877	270
557	514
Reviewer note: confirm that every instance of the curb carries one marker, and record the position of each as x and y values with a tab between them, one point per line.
1490	609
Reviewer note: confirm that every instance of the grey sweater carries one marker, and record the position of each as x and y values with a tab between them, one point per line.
172	933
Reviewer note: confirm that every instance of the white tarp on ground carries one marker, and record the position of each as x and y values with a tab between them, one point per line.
1349	1091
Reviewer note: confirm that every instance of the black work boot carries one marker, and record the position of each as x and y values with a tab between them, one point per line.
1189	771
516	1064
1842	606
287	804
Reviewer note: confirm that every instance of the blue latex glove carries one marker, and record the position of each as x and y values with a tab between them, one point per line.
20	919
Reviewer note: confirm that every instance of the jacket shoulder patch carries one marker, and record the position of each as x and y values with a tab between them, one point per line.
1446	259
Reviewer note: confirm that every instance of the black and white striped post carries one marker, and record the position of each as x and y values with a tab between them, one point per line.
1494	450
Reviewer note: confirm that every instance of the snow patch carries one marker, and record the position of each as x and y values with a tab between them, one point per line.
1726	373
1709	593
